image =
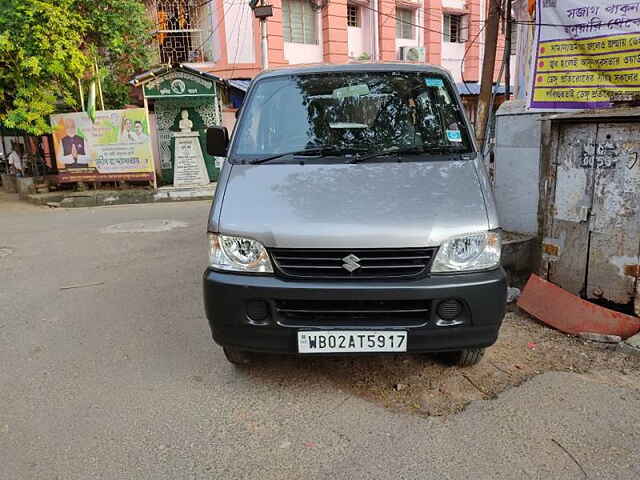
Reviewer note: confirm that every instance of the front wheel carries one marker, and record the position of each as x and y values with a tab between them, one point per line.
237	357
463	358
467	357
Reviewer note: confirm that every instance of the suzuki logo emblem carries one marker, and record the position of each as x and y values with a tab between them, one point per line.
351	263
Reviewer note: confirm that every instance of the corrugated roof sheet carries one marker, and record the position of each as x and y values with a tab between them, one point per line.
239	84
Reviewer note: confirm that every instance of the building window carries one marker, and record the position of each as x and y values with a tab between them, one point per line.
182	27
404	23
453	28
353	16
299	22
514	38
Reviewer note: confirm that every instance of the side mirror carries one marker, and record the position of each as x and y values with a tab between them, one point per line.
217	141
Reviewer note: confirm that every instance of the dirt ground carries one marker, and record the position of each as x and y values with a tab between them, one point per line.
426	385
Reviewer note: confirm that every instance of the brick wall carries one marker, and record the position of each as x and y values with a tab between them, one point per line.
433	27
472	60
387	30
334	32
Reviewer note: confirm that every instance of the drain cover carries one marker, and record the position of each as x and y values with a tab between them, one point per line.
145	226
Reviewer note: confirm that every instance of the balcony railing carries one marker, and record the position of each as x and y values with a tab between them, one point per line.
183	30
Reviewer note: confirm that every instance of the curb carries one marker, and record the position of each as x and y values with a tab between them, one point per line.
100	198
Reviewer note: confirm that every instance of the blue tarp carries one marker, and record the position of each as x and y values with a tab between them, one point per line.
237	91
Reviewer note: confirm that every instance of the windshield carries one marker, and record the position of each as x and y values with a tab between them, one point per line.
351	112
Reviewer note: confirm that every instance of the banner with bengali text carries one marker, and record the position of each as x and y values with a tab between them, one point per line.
588	54
116	146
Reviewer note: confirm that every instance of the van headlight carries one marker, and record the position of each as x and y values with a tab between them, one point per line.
238	254
470	252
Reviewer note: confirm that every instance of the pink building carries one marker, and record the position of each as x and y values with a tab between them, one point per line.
223	37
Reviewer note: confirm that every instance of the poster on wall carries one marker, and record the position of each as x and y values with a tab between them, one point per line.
114	147
588	54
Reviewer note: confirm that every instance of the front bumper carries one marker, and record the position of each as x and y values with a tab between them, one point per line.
226	296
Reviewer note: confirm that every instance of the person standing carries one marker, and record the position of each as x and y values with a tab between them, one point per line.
15	158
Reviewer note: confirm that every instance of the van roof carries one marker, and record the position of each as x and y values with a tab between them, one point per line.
353	67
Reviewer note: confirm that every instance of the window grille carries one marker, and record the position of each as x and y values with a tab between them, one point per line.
183	30
299	22
353	16
404	21
453	28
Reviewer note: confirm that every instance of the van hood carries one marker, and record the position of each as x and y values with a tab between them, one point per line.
373	205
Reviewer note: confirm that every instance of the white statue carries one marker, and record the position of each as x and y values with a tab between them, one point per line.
185	124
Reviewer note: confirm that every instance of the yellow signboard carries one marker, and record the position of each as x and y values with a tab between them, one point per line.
588	54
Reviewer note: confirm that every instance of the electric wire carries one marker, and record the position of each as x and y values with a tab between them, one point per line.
235	58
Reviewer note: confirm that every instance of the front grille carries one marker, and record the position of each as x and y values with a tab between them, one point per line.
352	313
371	263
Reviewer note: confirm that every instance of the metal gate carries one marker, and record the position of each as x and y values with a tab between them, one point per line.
591	215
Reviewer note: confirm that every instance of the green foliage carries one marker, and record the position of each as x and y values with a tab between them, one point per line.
40	60
47	45
119	36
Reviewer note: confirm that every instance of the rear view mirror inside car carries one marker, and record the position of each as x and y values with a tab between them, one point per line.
351	91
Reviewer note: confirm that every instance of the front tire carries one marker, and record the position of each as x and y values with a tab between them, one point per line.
237	357
468	357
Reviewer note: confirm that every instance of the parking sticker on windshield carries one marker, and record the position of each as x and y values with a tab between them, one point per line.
454	136
434	82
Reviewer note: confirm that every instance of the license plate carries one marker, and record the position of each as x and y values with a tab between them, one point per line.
345	341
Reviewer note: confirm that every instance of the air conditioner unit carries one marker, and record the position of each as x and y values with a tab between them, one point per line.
412	54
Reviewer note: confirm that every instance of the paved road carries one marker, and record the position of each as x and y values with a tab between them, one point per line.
121	380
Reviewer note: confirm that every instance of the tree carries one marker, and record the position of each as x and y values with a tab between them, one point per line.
41	59
48	46
119	36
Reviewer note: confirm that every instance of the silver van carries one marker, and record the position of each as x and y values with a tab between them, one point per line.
353	215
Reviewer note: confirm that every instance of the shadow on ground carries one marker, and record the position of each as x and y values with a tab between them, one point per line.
426	385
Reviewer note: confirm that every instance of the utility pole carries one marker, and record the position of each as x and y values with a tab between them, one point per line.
262	12
507	54
488	66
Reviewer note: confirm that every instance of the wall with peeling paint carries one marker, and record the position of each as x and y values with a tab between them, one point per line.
591	205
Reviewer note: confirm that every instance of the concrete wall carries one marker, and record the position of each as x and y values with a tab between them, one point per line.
517	167
453	4
297	53
238	22
356	41
229	119
452	55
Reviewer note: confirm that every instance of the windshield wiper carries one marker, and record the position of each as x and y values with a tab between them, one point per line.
407	151
388	151
321	151
443	149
